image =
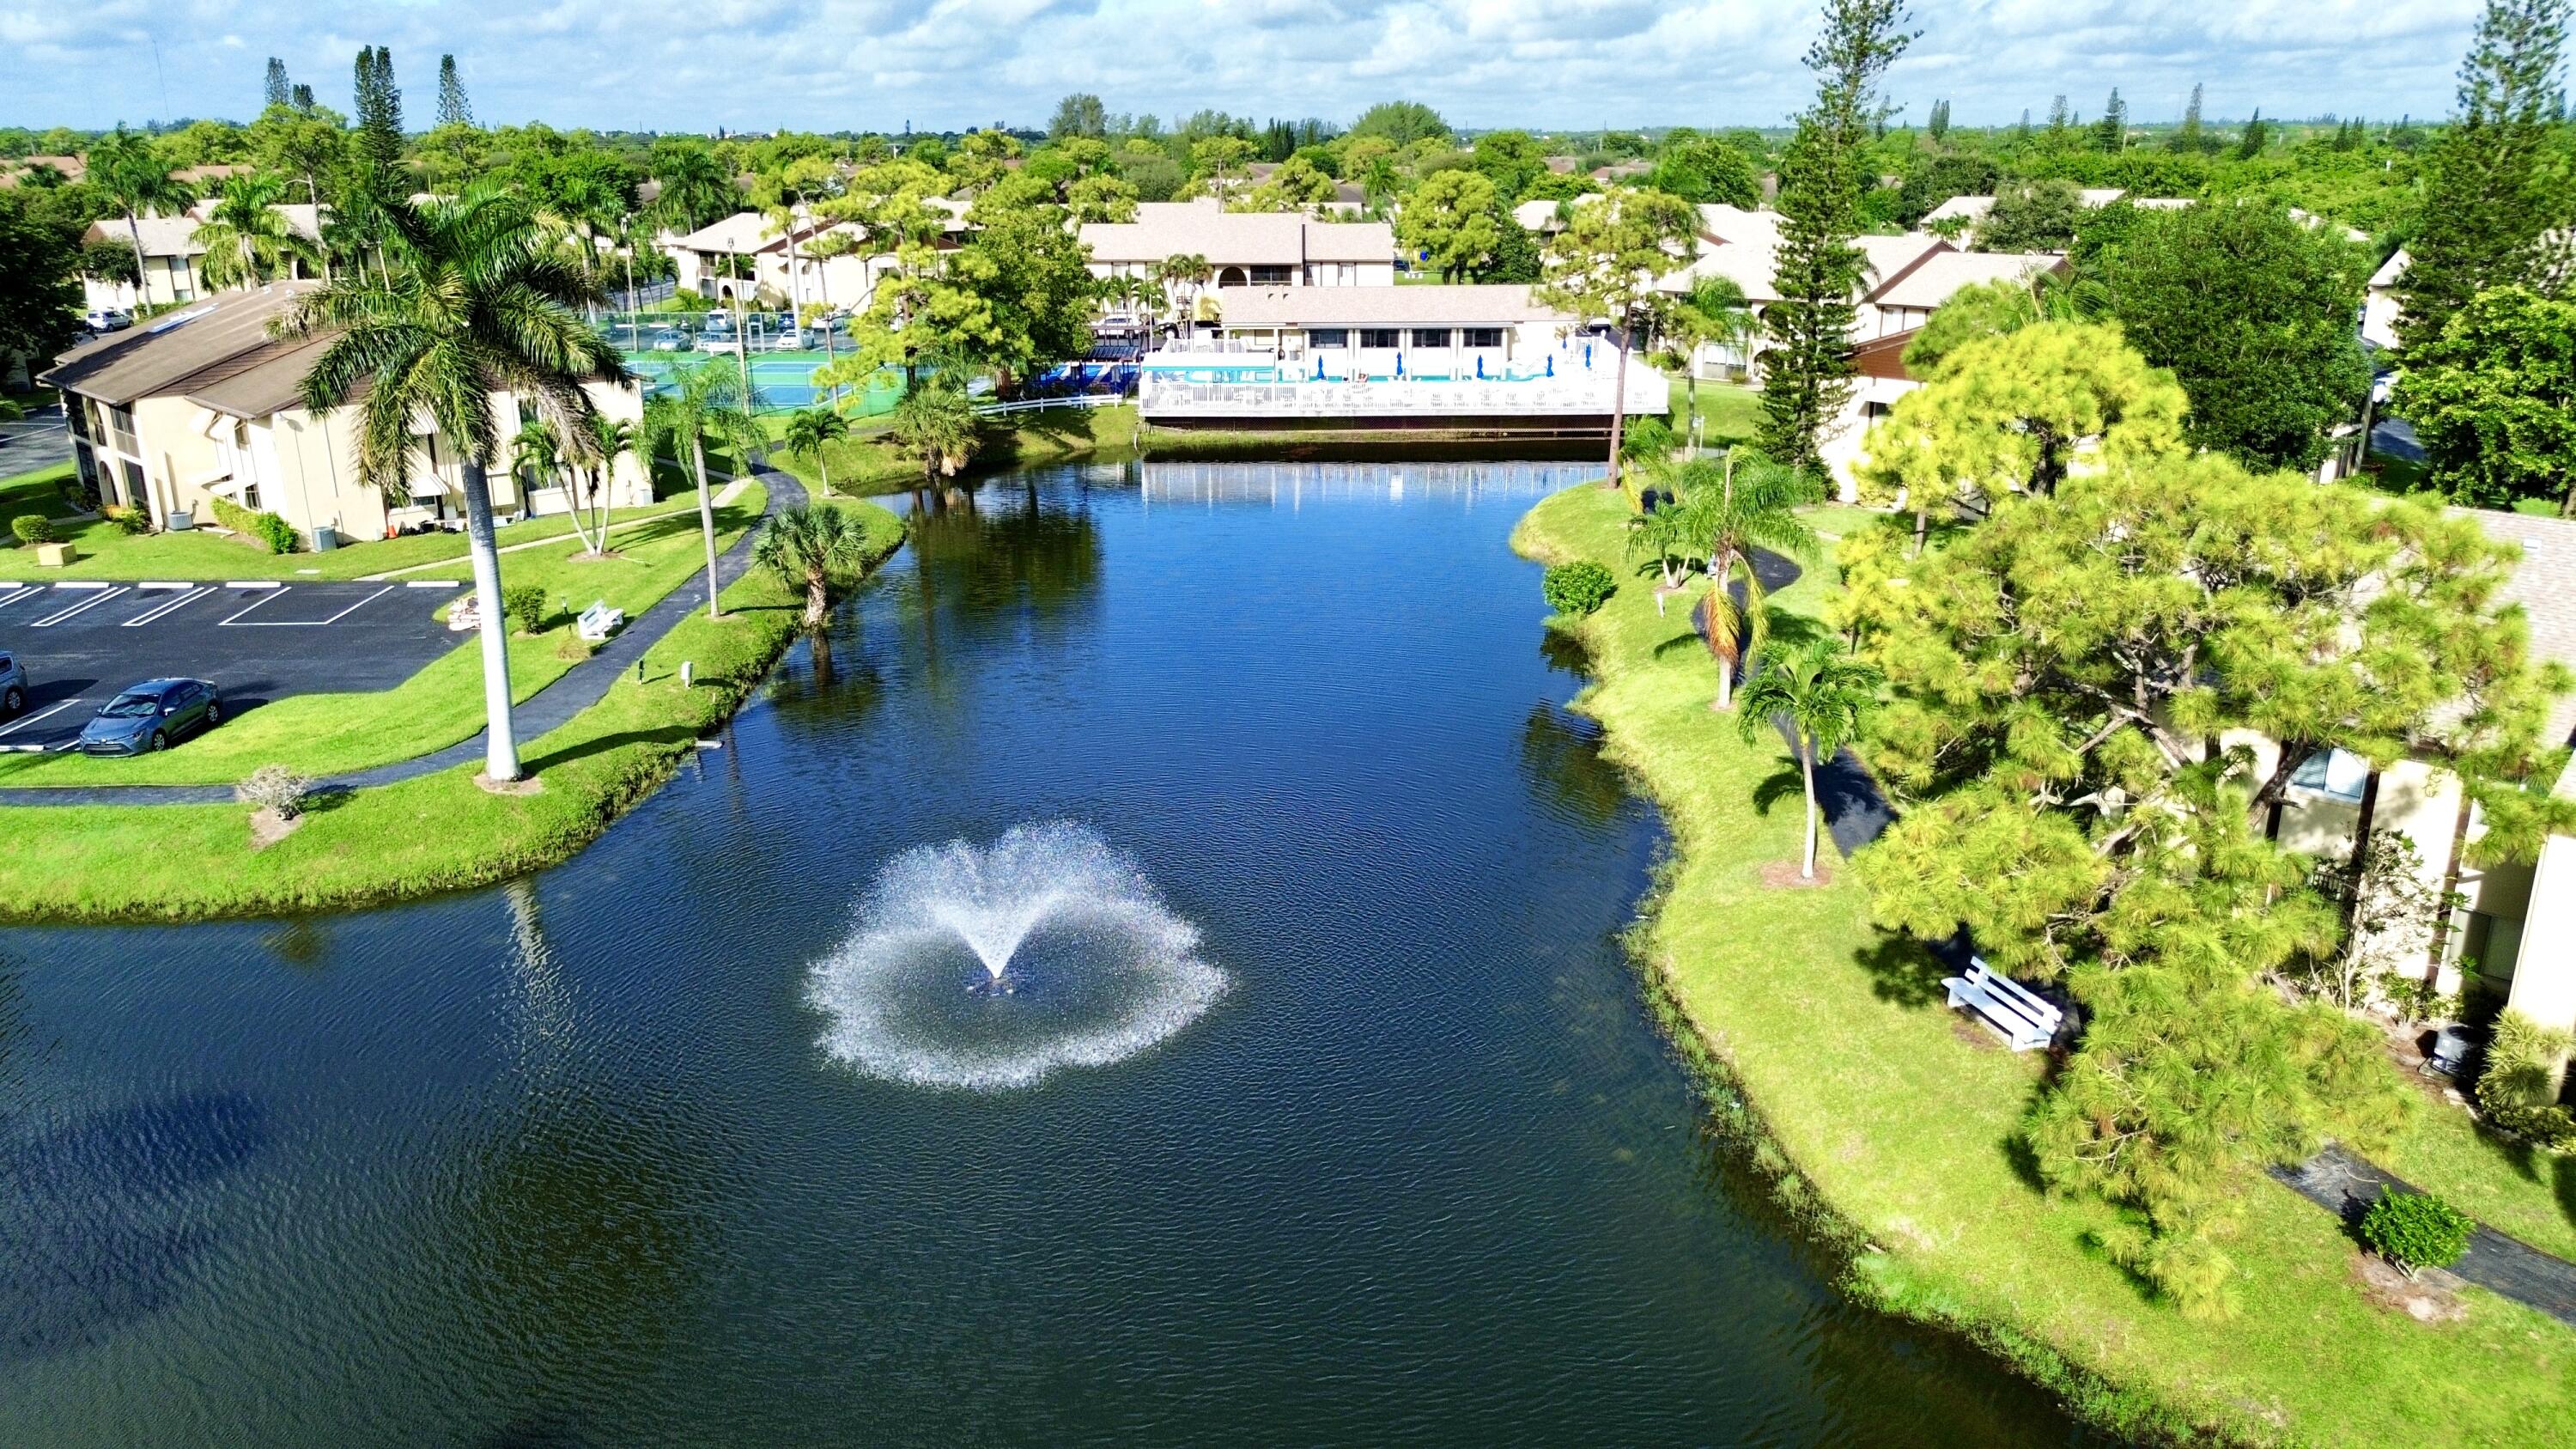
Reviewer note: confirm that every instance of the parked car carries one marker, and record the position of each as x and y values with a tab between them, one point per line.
13	685
670	339
153	715
107	319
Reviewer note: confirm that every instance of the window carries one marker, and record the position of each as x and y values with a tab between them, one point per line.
1484	337
1270	276
1329	337
117	426
2337	774
250	497
1380	337
181	288
1430	336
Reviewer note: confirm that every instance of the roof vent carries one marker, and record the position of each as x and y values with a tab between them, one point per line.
183	318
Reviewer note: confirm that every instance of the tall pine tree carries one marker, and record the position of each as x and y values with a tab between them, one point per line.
1807	373
1940	124
2188	136
2111	133
379	107
452	107
2488	206
279	92
2256	136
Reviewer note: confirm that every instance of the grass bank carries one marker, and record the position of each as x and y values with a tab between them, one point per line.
327	734
1885	1118
440	832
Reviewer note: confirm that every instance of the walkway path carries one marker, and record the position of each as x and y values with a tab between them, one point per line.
573	691
2346	1186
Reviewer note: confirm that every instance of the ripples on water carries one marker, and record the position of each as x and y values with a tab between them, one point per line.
566	1163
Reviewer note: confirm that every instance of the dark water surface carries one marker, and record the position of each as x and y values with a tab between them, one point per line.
566	1162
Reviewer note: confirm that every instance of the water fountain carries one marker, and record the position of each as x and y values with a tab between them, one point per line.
1067	955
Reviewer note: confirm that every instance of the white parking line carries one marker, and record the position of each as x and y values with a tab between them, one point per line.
262	599
19	596
81	584
163	584
92	602
432	584
24	720
312	623
167	606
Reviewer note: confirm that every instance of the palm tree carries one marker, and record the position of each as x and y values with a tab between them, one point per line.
471	300
537	455
247	239
1736	504
937	423
612	438
806	547
1825	694
700	403
1186	270
1713	311
811	428
821	251
1671	534
135	177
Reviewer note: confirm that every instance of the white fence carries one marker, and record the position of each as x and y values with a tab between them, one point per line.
1581	396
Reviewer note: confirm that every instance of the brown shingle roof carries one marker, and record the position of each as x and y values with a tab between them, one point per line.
169	353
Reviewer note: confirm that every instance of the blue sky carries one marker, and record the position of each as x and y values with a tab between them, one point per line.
877	64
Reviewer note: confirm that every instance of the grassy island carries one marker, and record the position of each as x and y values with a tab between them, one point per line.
1890	1123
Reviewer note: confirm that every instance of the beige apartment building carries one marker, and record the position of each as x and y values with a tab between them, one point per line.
202	404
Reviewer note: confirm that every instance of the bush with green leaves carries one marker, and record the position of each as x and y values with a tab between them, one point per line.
275	788
34	528
2416	1230
1577	588
132	522
274	531
2518	1088
525	606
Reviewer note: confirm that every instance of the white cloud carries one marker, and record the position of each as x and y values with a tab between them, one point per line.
876	64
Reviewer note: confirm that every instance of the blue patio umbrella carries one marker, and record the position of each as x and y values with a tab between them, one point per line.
1551	364
1480	369
1587	357
1399	364
1319	369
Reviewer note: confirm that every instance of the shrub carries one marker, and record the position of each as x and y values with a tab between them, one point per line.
525	607
131	522
2416	1230
2518	1088
34	528
274	531
275	788
268	528
1577	588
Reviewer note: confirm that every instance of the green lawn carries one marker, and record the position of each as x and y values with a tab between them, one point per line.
38	490
1899	1118
107	552
1733	411
437	833
324	734
868	463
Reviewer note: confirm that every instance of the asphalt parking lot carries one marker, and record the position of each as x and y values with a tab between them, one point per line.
80	644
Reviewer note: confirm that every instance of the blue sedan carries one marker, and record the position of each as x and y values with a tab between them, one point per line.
153	715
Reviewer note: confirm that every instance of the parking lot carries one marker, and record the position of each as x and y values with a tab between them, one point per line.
81	643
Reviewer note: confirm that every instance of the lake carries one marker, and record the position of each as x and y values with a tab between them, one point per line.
1324	1106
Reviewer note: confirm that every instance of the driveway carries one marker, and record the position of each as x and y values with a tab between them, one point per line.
80	644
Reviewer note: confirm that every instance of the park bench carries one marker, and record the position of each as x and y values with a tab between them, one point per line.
599	621
2015	1011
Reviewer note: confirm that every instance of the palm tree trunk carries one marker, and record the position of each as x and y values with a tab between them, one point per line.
1720	628
134	233
817	600
573	507
603	503
1807	767
1618	408
500	741
706	524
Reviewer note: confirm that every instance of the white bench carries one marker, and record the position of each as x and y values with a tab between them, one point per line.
2015	1011
599	621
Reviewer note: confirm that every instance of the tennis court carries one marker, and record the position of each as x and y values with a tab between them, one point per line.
784	380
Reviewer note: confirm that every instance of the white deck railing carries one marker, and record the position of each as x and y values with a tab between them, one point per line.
1582	396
